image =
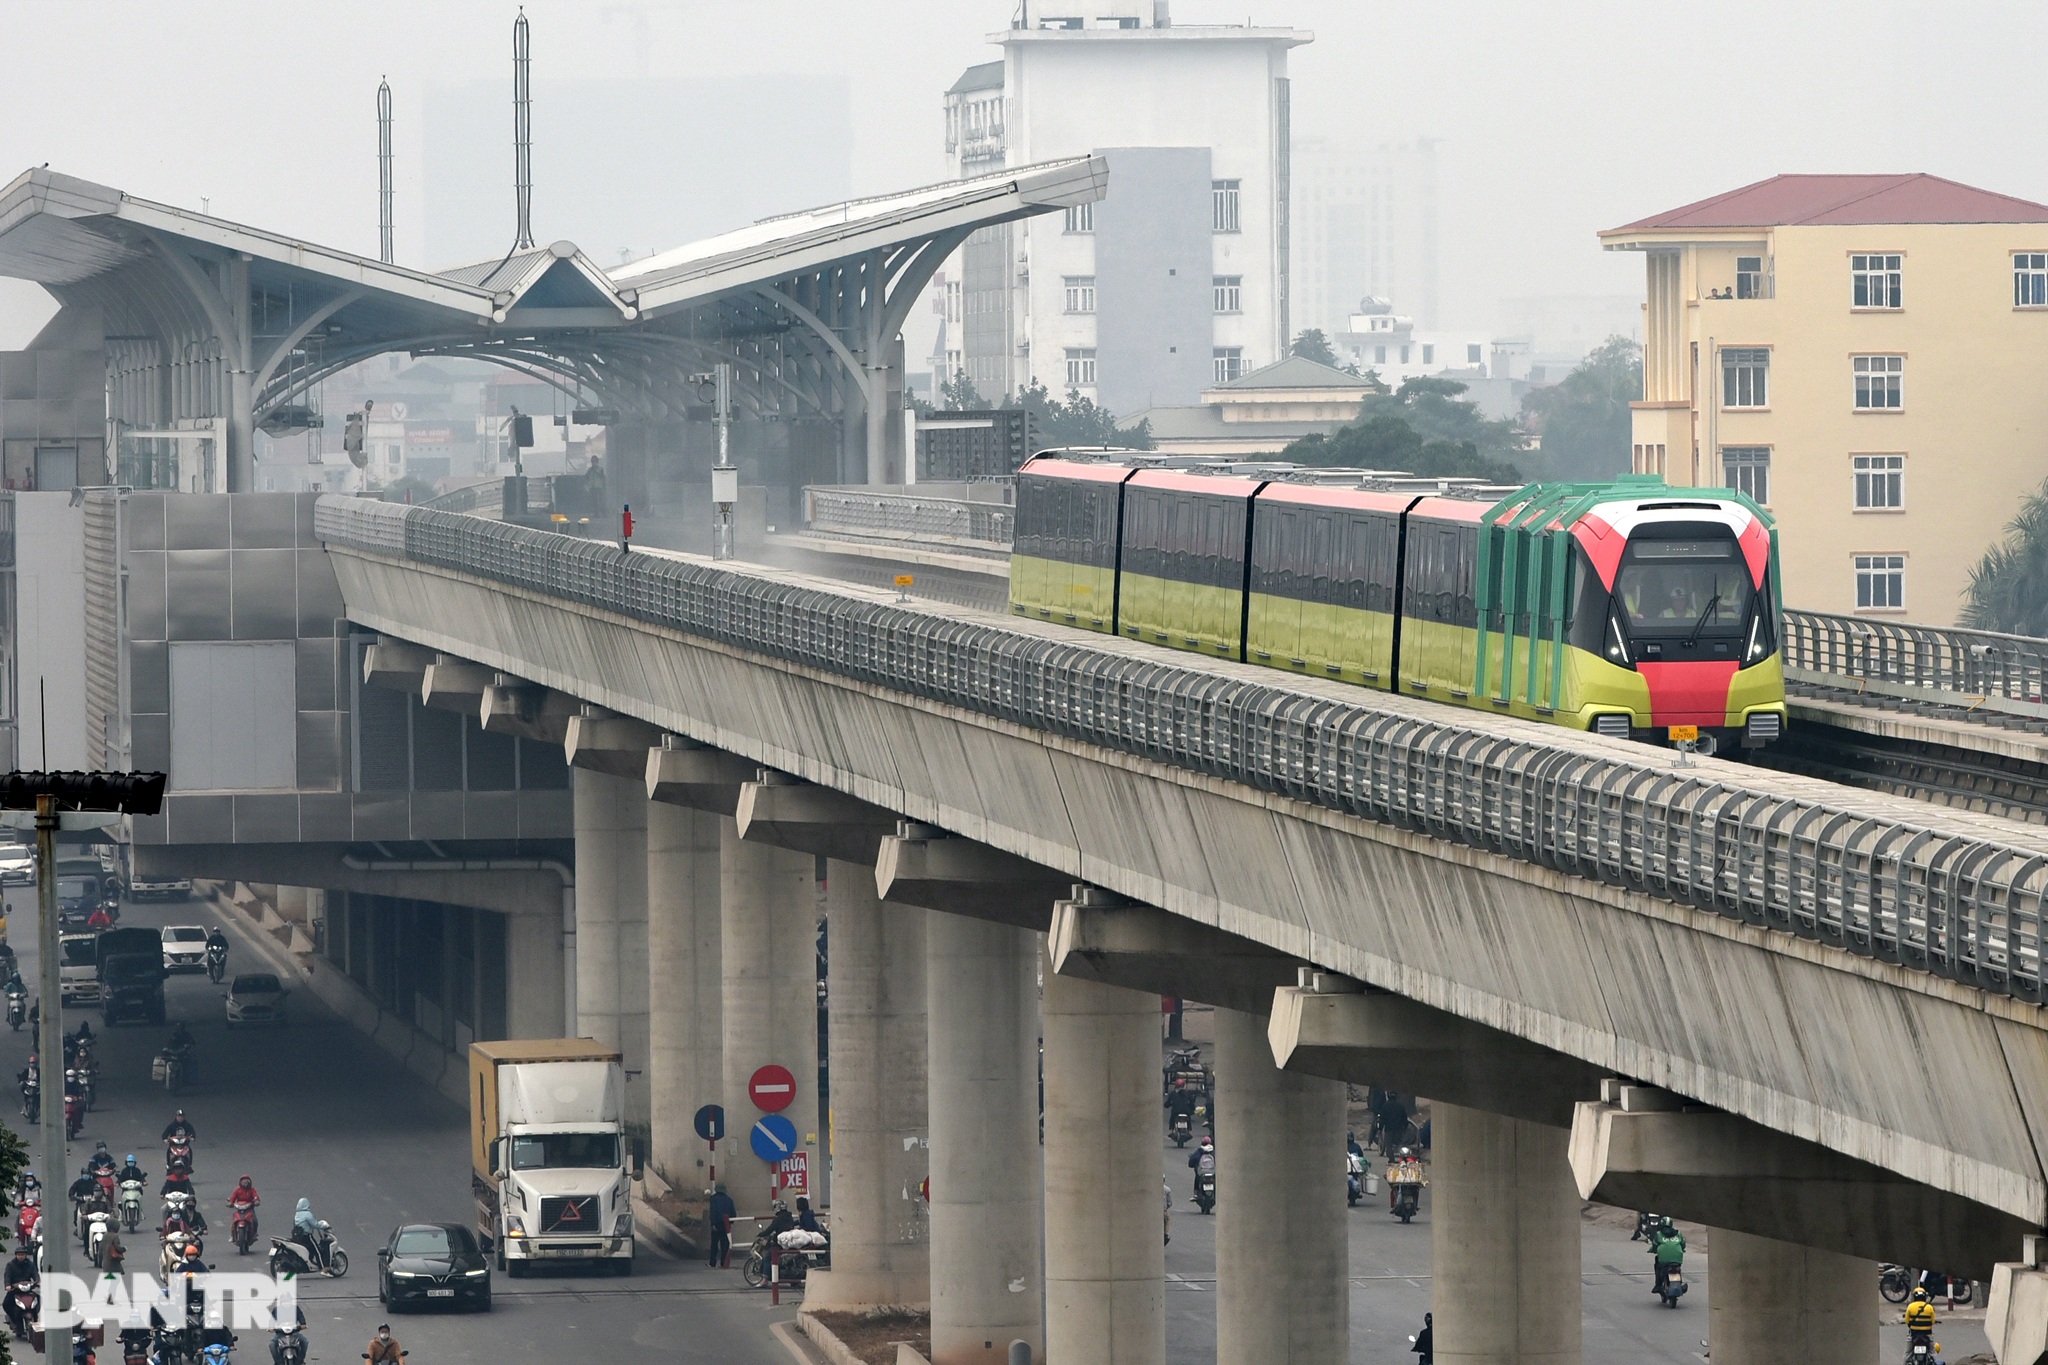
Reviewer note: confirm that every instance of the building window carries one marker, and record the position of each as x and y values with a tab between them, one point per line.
1745	377
1428	353
1878	381
1880	482
1472	355
1081	218
1875	281
1748	470
1223	206
1080	367
2030	279
1379	355
1229	290
1880	582
1229	362
1080	293
1404	355
1648	459
1749	278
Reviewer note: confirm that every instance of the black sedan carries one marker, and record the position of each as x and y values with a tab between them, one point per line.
433	1263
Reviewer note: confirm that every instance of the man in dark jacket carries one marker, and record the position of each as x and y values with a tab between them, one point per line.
720	1215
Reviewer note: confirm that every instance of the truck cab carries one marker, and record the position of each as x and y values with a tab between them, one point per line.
553	1172
79	969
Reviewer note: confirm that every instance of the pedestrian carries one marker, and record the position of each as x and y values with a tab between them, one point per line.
384	1348
720	1215
1425	1341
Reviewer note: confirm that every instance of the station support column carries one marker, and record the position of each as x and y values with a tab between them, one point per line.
881	1228
1770	1301
686	1043
768	950
1282	1258
1504	1248
987	1180
611	922
1105	1256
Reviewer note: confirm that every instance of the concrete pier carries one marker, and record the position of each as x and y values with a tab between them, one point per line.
686	1041
1771	1301
611	922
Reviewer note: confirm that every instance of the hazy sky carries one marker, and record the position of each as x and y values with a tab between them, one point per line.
1555	119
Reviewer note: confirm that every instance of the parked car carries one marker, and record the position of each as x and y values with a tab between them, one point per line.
184	948
433	1262
256	998
17	864
160	889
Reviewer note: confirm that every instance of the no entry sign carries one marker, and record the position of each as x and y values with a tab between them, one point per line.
772	1089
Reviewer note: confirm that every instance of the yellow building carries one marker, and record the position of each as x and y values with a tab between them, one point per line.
1863	354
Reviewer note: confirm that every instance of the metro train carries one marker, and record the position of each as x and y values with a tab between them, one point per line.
1627	607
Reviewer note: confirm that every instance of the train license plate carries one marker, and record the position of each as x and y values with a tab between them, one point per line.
1685	734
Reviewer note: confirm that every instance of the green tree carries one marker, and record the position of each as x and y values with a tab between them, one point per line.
959	395
1423	427
2009	586
1314	344
1583	421
1080	421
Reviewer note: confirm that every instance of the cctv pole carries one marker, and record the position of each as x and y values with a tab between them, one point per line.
50	1032
725	479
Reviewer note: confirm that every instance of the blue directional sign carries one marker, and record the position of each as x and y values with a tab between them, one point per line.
711	1122
774	1138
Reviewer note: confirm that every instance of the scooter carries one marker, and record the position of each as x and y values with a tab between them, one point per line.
1354	1179
1922	1350
135	1343
24	1303
178	1156
288	1346
291	1257
99	1225
1205	1190
242	1227
1183	1128
28	1220
1672	1287
31	1101
1407	1200
131	1204
17	1011
217	1353
216	964
74	1115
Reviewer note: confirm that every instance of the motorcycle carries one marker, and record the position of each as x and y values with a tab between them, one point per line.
29	1220
1672	1286
99	1226
17	1011
216	964
24	1302
131	1204
1894	1282
168	1069
793	1264
290	1257
135	1343
242	1226
1354	1179
288	1346
216	1354
31	1101
1922	1351
74	1115
1183	1128
1205	1190
177	1156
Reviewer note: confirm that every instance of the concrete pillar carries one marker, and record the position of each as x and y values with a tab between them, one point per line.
881	1228
768	950
1282	1259
611	922
1105	1254
1770	1301
685	1038
987	1189
536	998
1504	1245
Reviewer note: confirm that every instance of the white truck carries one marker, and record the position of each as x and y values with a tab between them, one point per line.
552	1170
79	970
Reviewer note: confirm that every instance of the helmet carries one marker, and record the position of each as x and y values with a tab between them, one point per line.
179	1114
1919	1296
99	1146
1406	1153
781	1207
131	1158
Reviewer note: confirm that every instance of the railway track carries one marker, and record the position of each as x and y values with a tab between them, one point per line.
2015	789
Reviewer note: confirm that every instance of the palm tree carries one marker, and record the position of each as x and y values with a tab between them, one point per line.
2009	586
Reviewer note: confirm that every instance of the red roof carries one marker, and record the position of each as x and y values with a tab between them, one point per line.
1786	200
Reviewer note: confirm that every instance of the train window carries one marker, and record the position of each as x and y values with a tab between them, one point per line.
1213	552
1179	539
1321	554
1466	548
1294	552
1357	561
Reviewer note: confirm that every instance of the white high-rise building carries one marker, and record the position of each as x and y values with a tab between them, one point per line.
1180	278
1365	224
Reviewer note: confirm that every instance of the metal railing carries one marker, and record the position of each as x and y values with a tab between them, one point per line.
907	516
1936	895
1978	669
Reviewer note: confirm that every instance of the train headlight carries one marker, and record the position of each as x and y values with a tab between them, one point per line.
1756	649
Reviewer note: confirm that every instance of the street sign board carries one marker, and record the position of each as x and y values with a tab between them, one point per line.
772	1089
793	1173
773	1139
711	1122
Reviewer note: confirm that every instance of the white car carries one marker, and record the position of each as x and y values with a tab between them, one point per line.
256	998
152	888
17	864
184	948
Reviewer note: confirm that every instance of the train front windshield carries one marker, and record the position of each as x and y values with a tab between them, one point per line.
1685	588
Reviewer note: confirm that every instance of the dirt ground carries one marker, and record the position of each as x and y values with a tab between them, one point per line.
872	1336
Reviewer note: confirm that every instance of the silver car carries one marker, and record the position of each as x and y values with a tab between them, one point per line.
17	864
184	948
256	998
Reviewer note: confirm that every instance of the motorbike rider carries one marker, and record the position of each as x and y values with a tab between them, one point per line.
21	1270
101	1162
1425	1341
177	1180
244	1199
99	919
217	944
384	1349
186	1217
1667	1245
720	1214
1181	1103
179	1126
84	1189
308	1233
180	1046
288	1344
131	1171
1919	1319
1207	1148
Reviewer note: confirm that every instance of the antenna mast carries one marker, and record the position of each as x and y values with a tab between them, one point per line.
384	250
522	131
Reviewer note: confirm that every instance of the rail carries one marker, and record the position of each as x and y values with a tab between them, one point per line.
907	516
1935	895
489	496
1944	665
